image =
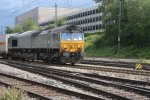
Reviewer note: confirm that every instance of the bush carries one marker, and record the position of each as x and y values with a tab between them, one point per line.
11	94
96	45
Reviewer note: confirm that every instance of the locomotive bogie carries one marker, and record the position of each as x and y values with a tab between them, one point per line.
71	57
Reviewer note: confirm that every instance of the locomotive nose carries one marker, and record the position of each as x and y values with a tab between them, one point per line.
72	46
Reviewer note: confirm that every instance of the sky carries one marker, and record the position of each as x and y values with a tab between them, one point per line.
11	8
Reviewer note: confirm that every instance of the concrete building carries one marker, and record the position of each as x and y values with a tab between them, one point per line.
41	14
88	19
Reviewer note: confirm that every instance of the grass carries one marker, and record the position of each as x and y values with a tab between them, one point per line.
11	94
111	51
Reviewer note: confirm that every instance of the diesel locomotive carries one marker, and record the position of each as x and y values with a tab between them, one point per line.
63	44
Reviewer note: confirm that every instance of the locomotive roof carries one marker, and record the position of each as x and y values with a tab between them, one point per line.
29	33
65	28
46	31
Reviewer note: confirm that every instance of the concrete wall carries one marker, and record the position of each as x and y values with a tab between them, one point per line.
41	14
30	14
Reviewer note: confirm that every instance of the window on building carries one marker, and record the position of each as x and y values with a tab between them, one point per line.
86	20
97	10
76	23
91	12
100	27
85	13
91	20
94	11
97	27
88	12
85	28
69	17
100	17
77	15
81	21
94	19
88	28
94	27
81	14
97	19
91	28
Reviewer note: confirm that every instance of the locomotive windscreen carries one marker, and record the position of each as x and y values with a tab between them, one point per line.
72	36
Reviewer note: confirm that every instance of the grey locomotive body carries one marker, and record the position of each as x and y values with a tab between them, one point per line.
46	45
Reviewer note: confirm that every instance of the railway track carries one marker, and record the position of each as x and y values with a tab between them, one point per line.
82	80
113	69
120	64
41	91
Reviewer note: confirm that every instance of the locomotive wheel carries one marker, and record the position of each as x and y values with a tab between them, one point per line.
55	60
72	64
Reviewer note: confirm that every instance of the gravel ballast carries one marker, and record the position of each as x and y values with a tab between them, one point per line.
34	77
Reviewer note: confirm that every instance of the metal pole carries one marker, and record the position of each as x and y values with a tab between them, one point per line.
55	15
119	22
1	29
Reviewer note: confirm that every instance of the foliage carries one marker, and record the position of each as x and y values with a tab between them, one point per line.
11	94
30	24
51	25
91	49
17	29
135	23
8	30
27	25
61	21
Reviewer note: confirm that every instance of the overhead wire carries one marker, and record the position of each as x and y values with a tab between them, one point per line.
22	7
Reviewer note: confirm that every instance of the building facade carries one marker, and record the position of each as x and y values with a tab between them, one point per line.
88	19
41	14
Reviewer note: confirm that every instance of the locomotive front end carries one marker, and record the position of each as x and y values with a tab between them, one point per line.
72	47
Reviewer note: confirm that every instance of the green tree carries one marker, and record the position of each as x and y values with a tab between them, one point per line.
17	29
110	10
135	22
8	30
29	24
61	21
137	28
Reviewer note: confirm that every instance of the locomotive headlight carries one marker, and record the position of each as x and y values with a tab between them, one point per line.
64	48
80	47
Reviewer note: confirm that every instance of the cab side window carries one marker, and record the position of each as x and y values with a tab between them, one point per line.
56	37
14	43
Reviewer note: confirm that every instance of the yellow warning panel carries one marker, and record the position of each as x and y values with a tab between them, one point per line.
138	66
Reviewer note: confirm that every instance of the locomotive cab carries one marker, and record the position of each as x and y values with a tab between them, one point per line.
71	46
